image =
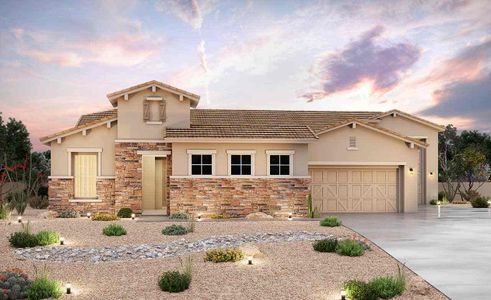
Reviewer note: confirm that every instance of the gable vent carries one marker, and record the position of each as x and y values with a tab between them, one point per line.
352	142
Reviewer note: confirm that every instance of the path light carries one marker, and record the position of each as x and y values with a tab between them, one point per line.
133	216
68	288
62	241
439	204
290	217
199	218
343	295
88	215
249	260
19	219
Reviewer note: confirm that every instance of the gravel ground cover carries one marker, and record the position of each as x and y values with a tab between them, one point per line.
282	270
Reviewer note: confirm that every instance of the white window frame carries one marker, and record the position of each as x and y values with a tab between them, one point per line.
70	152
291	153
252	153
201	152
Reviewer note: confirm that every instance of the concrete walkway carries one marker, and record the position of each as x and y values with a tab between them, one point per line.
452	252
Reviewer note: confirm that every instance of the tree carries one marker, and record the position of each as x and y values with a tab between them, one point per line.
478	140
472	170
448	142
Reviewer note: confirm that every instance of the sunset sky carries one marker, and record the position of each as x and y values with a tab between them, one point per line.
58	59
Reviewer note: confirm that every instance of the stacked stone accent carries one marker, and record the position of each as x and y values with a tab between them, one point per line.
239	196
61	192
128	168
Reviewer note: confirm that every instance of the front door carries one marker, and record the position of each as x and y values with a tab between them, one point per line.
154	183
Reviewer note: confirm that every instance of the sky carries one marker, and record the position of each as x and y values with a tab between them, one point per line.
59	59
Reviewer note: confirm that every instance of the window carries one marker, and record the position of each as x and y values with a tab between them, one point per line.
84	175
352	143
280	163
201	164
240	164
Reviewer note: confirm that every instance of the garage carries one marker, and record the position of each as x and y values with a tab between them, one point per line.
355	189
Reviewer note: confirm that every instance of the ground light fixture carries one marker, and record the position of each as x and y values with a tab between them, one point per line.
199	218
62	241
88	215
19	219
290	217
439	204
68	288
343	295
133	216
249	260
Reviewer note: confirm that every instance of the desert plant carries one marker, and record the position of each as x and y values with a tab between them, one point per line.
312	211
43	288
47	237
179	216
18	201
434	202
359	290
442	195
114	230
388	287
326	245
69	213
13	284
174	230
39	202
24	238
5	212
350	248
191	225
175	281
224	255
480	202
125	212
102	216
331	222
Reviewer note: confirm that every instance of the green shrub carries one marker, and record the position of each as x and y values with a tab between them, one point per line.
14	284
388	287
125	212
442	196
312	212
434	202
69	213
5	212
326	245
47	237
179	216
24	238
175	281
39	202
18	201
350	248
480	202
331	222
174	230
104	217
114	230
224	255
44	288
359	290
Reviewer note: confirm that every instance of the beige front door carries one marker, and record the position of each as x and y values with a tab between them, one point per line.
354	189
154	182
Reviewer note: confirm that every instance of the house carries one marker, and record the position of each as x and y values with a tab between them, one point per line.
155	152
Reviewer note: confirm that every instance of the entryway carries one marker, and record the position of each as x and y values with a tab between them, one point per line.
154	185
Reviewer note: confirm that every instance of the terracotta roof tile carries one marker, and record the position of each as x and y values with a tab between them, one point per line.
89	118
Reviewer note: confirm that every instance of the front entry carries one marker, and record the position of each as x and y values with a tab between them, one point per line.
154	183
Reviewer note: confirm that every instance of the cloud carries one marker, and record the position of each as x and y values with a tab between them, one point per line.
468	99
187	10
65	59
364	61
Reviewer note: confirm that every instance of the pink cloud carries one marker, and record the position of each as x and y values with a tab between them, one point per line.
64	59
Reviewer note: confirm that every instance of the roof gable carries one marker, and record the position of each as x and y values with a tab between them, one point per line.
395	113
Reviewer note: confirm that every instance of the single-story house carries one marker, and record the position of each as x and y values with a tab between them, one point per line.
157	153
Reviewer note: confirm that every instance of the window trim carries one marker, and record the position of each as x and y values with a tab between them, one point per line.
252	153
201	152
291	153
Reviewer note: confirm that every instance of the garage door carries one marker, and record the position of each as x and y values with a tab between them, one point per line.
354	189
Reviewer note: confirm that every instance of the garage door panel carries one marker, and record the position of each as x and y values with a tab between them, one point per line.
355	189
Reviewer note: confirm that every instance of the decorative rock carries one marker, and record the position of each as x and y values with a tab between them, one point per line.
258	216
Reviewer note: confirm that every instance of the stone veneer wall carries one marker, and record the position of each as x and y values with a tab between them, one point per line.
128	168
61	191
239	196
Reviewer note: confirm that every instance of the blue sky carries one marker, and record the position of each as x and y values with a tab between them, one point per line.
58	59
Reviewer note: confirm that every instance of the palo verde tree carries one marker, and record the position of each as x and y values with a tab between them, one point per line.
472	170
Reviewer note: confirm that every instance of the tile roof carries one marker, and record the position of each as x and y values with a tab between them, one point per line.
242	132
89	118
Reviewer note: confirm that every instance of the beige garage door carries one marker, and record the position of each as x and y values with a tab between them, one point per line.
354	189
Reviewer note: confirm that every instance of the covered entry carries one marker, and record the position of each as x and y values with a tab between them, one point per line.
355	189
154	183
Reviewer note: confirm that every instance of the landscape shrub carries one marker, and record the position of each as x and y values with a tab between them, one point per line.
312	212
220	216
44	288
18	201
39	202
442	195
125	212
5	212
179	216
331	222
14	284
104	217
480	202
175	281
350	248
442	202
174	230
388	287
69	213
43	191
47	237
114	230
24	238
326	245
359	290
224	255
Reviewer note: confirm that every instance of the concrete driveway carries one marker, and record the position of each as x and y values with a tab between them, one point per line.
452	252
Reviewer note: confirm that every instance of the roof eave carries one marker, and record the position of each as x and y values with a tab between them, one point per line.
237	140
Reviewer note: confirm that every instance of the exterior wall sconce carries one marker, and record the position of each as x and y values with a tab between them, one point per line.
431	173
411	171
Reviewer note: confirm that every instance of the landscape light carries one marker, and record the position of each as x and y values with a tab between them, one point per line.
249	260
133	216
199	218
343	295
290	217
19	219
68	289
62	241
88	215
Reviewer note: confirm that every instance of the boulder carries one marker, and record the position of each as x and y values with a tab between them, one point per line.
258	216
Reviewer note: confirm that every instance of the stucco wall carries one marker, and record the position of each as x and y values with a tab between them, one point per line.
484	190
411	128
99	137
180	157
373	148
130	115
